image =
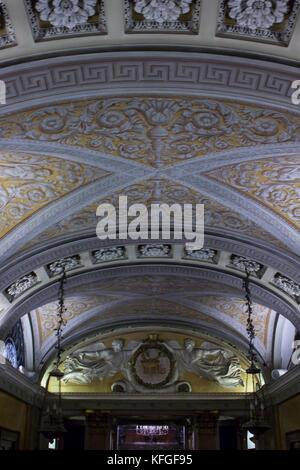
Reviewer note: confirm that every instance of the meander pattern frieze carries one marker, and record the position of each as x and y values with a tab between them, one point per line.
110	72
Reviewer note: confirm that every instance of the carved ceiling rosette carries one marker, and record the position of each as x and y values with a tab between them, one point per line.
261	20
55	19
7	31
173	16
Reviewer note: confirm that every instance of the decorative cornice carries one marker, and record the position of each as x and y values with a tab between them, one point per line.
16	384
261	293
147	72
285	387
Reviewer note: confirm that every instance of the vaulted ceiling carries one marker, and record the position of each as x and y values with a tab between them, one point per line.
157	126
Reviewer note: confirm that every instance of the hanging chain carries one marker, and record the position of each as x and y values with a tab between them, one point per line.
61	323
251	333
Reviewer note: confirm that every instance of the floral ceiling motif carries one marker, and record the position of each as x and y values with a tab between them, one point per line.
55	19
246	264
262	20
66	13
7	31
287	285
257	14
57	267
161	11
154	251
205	254
235	309
47	315
163	191
21	285
157	132
142	16
29	182
109	254
272	182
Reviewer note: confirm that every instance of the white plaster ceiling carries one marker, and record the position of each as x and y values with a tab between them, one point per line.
116	38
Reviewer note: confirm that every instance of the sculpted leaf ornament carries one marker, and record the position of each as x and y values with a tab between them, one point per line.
257	14
162	11
66	13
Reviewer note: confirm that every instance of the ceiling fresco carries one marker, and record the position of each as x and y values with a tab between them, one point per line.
192	127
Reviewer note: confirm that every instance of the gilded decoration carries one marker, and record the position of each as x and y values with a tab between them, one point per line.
156	132
235	308
159	190
274	183
30	182
75	306
152	364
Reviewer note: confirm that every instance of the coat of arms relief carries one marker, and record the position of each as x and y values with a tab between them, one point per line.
152	365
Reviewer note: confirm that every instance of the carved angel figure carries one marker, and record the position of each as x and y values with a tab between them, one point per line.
212	363
95	363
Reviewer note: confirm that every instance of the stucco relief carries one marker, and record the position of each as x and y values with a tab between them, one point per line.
56	19
264	20
154	131
272	182
159	190
235	308
29	182
7	31
75	306
152	364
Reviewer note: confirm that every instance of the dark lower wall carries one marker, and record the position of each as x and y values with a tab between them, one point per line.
15	417
288	418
